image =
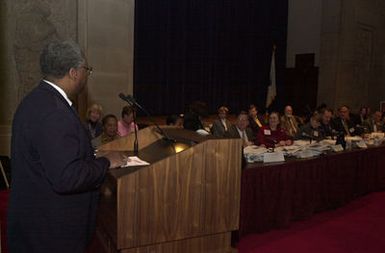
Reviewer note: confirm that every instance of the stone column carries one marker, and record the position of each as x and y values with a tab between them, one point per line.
106	32
352	55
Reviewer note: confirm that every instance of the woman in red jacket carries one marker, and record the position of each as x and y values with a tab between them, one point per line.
272	135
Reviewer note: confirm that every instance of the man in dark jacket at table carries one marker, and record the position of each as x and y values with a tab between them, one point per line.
55	175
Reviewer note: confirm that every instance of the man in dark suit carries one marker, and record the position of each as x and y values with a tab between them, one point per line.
344	124
222	124
255	120
241	130
326	120
55	175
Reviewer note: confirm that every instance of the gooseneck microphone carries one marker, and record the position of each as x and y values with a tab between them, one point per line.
136	142
132	101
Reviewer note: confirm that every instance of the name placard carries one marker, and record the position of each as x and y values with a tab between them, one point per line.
273	157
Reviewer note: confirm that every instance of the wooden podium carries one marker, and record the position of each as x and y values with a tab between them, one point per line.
183	202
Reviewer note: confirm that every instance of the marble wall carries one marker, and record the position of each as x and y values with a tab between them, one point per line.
104	28
352	55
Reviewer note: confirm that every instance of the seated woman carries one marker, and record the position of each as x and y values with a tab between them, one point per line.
93	120
222	124
126	125
272	135
110	131
311	130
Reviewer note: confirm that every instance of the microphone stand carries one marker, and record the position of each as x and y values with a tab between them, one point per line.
132	101
136	142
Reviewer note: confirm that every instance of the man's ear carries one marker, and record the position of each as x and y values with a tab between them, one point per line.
73	73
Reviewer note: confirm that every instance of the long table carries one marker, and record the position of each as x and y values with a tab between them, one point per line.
272	196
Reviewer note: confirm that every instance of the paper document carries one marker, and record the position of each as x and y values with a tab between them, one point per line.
135	161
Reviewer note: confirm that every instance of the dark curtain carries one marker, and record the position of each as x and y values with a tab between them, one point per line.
215	51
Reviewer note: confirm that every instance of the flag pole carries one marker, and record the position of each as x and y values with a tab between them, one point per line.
272	88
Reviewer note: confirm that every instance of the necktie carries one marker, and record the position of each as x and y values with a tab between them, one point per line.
346	127
294	129
258	122
243	136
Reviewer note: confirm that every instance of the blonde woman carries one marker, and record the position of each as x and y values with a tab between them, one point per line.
93	122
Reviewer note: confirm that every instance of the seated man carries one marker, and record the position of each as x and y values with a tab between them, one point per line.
255	120
241	130
325	124
272	135
193	117
289	122
375	123
344	124
110	131
222	124
311	130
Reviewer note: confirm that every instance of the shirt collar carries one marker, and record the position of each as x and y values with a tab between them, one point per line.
60	90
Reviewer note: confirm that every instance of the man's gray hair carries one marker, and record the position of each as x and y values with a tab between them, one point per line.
58	57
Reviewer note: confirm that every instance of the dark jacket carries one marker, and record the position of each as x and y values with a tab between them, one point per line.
218	129
254	126
55	177
351	128
307	132
233	133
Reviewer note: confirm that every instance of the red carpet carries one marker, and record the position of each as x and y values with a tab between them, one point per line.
356	228
3	218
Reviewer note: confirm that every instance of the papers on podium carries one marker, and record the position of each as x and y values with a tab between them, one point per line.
135	161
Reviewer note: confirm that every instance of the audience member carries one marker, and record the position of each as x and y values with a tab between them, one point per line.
343	123
193	118
222	124
110	131
325	124
289	122
241	130
93	118
175	120
312	129
127	125
364	115
375	123
272	135
255	120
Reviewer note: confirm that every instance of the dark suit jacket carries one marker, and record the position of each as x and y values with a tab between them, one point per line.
233	133
254	126
307	132
339	127
218	129
55	177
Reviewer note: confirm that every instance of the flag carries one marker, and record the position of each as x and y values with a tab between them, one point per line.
272	88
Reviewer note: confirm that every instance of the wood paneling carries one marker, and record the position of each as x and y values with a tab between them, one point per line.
178	201
210	244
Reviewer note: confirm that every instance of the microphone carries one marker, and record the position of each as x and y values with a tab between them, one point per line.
132	101
307	136
125	98
136	143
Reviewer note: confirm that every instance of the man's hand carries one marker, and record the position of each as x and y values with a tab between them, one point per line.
116	158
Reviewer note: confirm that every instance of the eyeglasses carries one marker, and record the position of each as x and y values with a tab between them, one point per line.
88	69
